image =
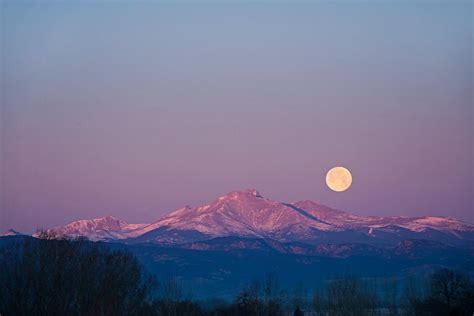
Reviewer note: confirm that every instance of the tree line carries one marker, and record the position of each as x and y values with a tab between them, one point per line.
78	277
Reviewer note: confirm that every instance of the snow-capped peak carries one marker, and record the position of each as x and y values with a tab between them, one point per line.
103	228
241	213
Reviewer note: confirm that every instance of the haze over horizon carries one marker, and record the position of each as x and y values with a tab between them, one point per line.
136	109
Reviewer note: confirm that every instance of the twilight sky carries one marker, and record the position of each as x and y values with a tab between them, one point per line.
133	109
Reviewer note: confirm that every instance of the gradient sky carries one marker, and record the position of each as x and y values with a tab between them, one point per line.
137	108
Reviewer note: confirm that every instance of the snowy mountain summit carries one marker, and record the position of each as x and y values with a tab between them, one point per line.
248	214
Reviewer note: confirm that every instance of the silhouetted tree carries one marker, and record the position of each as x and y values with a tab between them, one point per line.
61	277
449	287
449	293
248	300
171	301
348	297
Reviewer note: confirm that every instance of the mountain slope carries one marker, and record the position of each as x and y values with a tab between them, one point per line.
418	224
241	213
248	214
103	228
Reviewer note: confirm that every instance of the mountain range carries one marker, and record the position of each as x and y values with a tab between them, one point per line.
247	214
216	248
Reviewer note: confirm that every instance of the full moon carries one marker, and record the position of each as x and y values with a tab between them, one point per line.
339	179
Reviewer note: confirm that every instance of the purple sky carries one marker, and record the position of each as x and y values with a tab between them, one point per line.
134	109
